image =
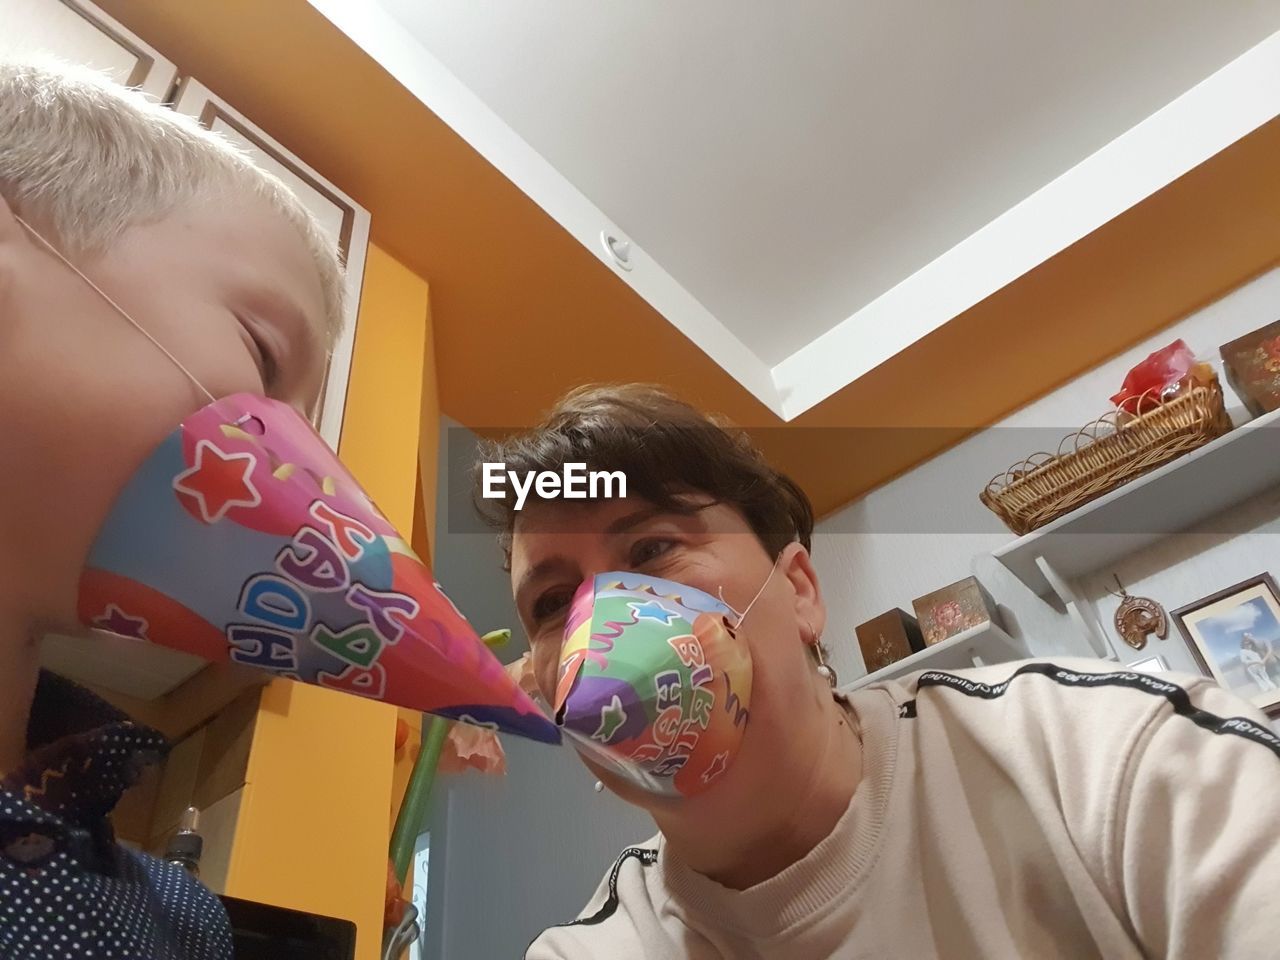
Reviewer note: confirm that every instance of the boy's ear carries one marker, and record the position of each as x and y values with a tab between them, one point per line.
11	241
20	235
11	231
7	220
16	244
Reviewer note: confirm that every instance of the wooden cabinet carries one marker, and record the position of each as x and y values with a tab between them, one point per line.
81	33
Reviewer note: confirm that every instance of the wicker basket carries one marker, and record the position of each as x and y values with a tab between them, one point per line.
1106	454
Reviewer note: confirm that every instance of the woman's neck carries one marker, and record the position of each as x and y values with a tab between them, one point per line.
807	793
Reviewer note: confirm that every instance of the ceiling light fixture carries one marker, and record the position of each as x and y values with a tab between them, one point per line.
617	248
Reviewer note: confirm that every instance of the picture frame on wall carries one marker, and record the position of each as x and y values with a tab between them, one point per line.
1234	634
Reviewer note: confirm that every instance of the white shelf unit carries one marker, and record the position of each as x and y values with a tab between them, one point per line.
1237	467
977	647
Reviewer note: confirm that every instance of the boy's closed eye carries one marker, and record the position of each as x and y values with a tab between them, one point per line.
262	354
284	344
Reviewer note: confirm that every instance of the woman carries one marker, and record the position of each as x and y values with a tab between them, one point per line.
1019	810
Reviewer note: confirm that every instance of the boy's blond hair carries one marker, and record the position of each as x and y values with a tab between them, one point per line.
91	158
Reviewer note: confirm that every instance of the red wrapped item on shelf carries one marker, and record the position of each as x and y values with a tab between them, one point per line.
1161	377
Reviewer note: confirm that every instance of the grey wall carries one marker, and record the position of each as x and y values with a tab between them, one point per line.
927	528
510	855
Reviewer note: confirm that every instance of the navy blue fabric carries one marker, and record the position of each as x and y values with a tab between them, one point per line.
67	889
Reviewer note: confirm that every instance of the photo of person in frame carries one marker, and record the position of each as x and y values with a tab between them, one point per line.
1256	659
1235	634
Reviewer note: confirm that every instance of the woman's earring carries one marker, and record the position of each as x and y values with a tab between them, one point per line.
599	787
825	670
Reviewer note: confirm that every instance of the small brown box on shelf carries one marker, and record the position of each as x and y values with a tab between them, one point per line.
888	638
954	609
1253	368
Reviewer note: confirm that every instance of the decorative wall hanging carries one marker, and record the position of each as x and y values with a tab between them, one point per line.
1138	617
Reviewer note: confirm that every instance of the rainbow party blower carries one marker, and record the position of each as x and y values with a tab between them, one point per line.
654	682
243	537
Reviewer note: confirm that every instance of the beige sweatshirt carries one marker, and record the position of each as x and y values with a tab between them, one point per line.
1028	810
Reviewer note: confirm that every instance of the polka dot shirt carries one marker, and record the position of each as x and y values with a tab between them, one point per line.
67	890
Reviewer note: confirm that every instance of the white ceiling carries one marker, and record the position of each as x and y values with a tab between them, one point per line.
784	166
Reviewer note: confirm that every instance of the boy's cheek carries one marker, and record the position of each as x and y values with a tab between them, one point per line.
97	397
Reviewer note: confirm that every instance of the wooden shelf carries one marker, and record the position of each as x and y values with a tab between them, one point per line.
982	645
1241	465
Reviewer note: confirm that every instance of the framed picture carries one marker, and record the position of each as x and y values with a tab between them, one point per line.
1235	634
1149	665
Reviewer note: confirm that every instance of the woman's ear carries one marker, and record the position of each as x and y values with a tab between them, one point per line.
810	609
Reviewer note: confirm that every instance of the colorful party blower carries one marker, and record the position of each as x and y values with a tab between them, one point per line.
654	682
243	537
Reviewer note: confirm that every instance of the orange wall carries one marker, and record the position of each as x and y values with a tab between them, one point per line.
312	834
385	398
313	829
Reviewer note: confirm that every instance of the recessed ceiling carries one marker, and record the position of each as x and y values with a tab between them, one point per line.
525	304
789	172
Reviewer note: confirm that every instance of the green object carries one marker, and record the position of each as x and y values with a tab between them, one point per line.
496	638
417	795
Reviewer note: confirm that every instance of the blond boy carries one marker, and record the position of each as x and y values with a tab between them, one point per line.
222	267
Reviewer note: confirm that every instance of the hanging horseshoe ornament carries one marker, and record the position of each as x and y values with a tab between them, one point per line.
1138	617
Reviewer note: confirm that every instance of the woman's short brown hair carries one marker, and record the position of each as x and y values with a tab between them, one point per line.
667	449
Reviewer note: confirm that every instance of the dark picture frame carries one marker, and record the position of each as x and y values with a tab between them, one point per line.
1234	635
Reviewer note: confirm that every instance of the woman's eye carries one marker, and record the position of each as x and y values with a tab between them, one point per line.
644	551
549	604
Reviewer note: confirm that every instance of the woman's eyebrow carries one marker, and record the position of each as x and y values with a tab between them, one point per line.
630	521
691	522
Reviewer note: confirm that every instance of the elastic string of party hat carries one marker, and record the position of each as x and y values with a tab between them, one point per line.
116	307
743	615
